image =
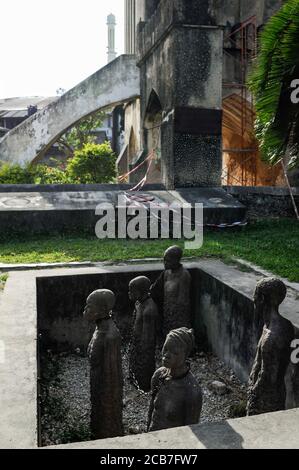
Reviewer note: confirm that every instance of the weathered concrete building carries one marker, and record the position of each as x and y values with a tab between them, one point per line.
194	57
188	112
13	111
180	58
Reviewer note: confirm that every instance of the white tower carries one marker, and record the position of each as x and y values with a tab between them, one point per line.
111	23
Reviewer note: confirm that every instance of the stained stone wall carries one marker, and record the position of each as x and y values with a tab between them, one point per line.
150	7
221	303
265	201
180	58
60	304
159	49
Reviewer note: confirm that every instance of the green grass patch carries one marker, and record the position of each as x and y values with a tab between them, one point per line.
3	279
272	244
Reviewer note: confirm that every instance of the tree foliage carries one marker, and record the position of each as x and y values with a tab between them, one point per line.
81	133
277	65
92	164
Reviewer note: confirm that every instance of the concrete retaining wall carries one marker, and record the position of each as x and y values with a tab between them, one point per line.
61	301
265	201
117	82
227	322
62	212
222	306
224	320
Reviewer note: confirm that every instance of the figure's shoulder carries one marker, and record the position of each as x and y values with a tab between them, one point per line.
288	335
186	273
151	307
158	376
166	274
112	330
194	384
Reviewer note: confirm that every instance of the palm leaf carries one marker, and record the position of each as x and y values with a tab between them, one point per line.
277	64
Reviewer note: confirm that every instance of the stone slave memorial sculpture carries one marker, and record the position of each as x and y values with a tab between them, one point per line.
106	381
176	395
144	333
172	291
267	391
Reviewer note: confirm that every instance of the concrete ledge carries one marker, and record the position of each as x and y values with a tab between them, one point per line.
268	431
58	188
267	190
74	211
265	201
18	371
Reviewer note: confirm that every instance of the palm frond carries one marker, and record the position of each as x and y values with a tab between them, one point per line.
277	64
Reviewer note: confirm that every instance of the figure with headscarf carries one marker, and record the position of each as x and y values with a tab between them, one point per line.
267	390
171	292
142	362
176	395
106	378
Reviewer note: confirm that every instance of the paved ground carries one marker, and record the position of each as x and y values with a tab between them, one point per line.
269	431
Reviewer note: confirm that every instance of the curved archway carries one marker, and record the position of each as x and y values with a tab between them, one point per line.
133	146
152	135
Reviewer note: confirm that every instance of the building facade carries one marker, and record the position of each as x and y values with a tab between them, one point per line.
238	22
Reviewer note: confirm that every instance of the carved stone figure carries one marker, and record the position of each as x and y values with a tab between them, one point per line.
144	333
267	391
172	290
176	395
106	381
295	384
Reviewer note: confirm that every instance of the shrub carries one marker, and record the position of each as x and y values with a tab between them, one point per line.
49	175
16	174
92	164
31	174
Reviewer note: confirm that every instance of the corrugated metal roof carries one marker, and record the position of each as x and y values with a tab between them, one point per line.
17	107
13	114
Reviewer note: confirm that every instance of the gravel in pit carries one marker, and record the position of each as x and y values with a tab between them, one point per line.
65	401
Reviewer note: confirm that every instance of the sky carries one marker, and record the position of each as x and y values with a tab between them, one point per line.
52	44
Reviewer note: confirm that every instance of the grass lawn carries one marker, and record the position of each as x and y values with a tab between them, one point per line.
3	279
272	244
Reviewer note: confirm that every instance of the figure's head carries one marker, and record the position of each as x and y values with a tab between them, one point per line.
99	304
172	257
139	288
269	292
177	348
